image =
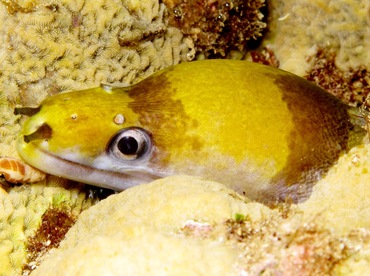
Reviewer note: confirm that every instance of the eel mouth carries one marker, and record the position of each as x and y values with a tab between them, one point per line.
53	164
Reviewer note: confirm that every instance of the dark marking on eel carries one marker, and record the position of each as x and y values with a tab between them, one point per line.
153	101
313	147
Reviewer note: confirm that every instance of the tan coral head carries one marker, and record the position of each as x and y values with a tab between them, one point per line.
262	131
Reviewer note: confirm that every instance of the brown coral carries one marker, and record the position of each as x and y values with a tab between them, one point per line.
352	85
54	225
265	56
218	26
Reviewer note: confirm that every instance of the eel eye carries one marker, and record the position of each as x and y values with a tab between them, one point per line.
130	144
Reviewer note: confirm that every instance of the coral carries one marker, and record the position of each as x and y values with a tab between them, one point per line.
13	6
352	85
289	247
21	211
340	200
209	228
9	128
54	225
217	27
265	56
134	231
298	28
52	46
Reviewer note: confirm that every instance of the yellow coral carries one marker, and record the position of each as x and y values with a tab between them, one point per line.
142	232
9	128
79	44
196	221
341	199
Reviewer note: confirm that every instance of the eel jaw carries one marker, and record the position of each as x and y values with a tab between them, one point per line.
55	165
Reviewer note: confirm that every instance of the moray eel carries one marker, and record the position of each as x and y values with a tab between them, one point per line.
262	131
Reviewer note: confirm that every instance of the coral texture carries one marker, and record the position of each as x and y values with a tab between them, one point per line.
21	211
352	86
52	46
341	199
297	28
141	231
211	229
9	128
217	27
55	223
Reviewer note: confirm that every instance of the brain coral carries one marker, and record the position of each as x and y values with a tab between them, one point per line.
9	127
51	46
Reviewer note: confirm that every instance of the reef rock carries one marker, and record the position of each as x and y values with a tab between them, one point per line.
161	227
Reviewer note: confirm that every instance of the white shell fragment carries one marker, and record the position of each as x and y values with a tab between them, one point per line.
16	171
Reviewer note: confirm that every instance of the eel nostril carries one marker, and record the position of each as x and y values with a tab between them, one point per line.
28	111
43	132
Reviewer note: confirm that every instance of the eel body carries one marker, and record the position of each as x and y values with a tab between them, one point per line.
262	131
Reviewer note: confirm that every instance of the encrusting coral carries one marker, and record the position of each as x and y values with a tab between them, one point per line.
145	230
9	128
201	220
53	227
